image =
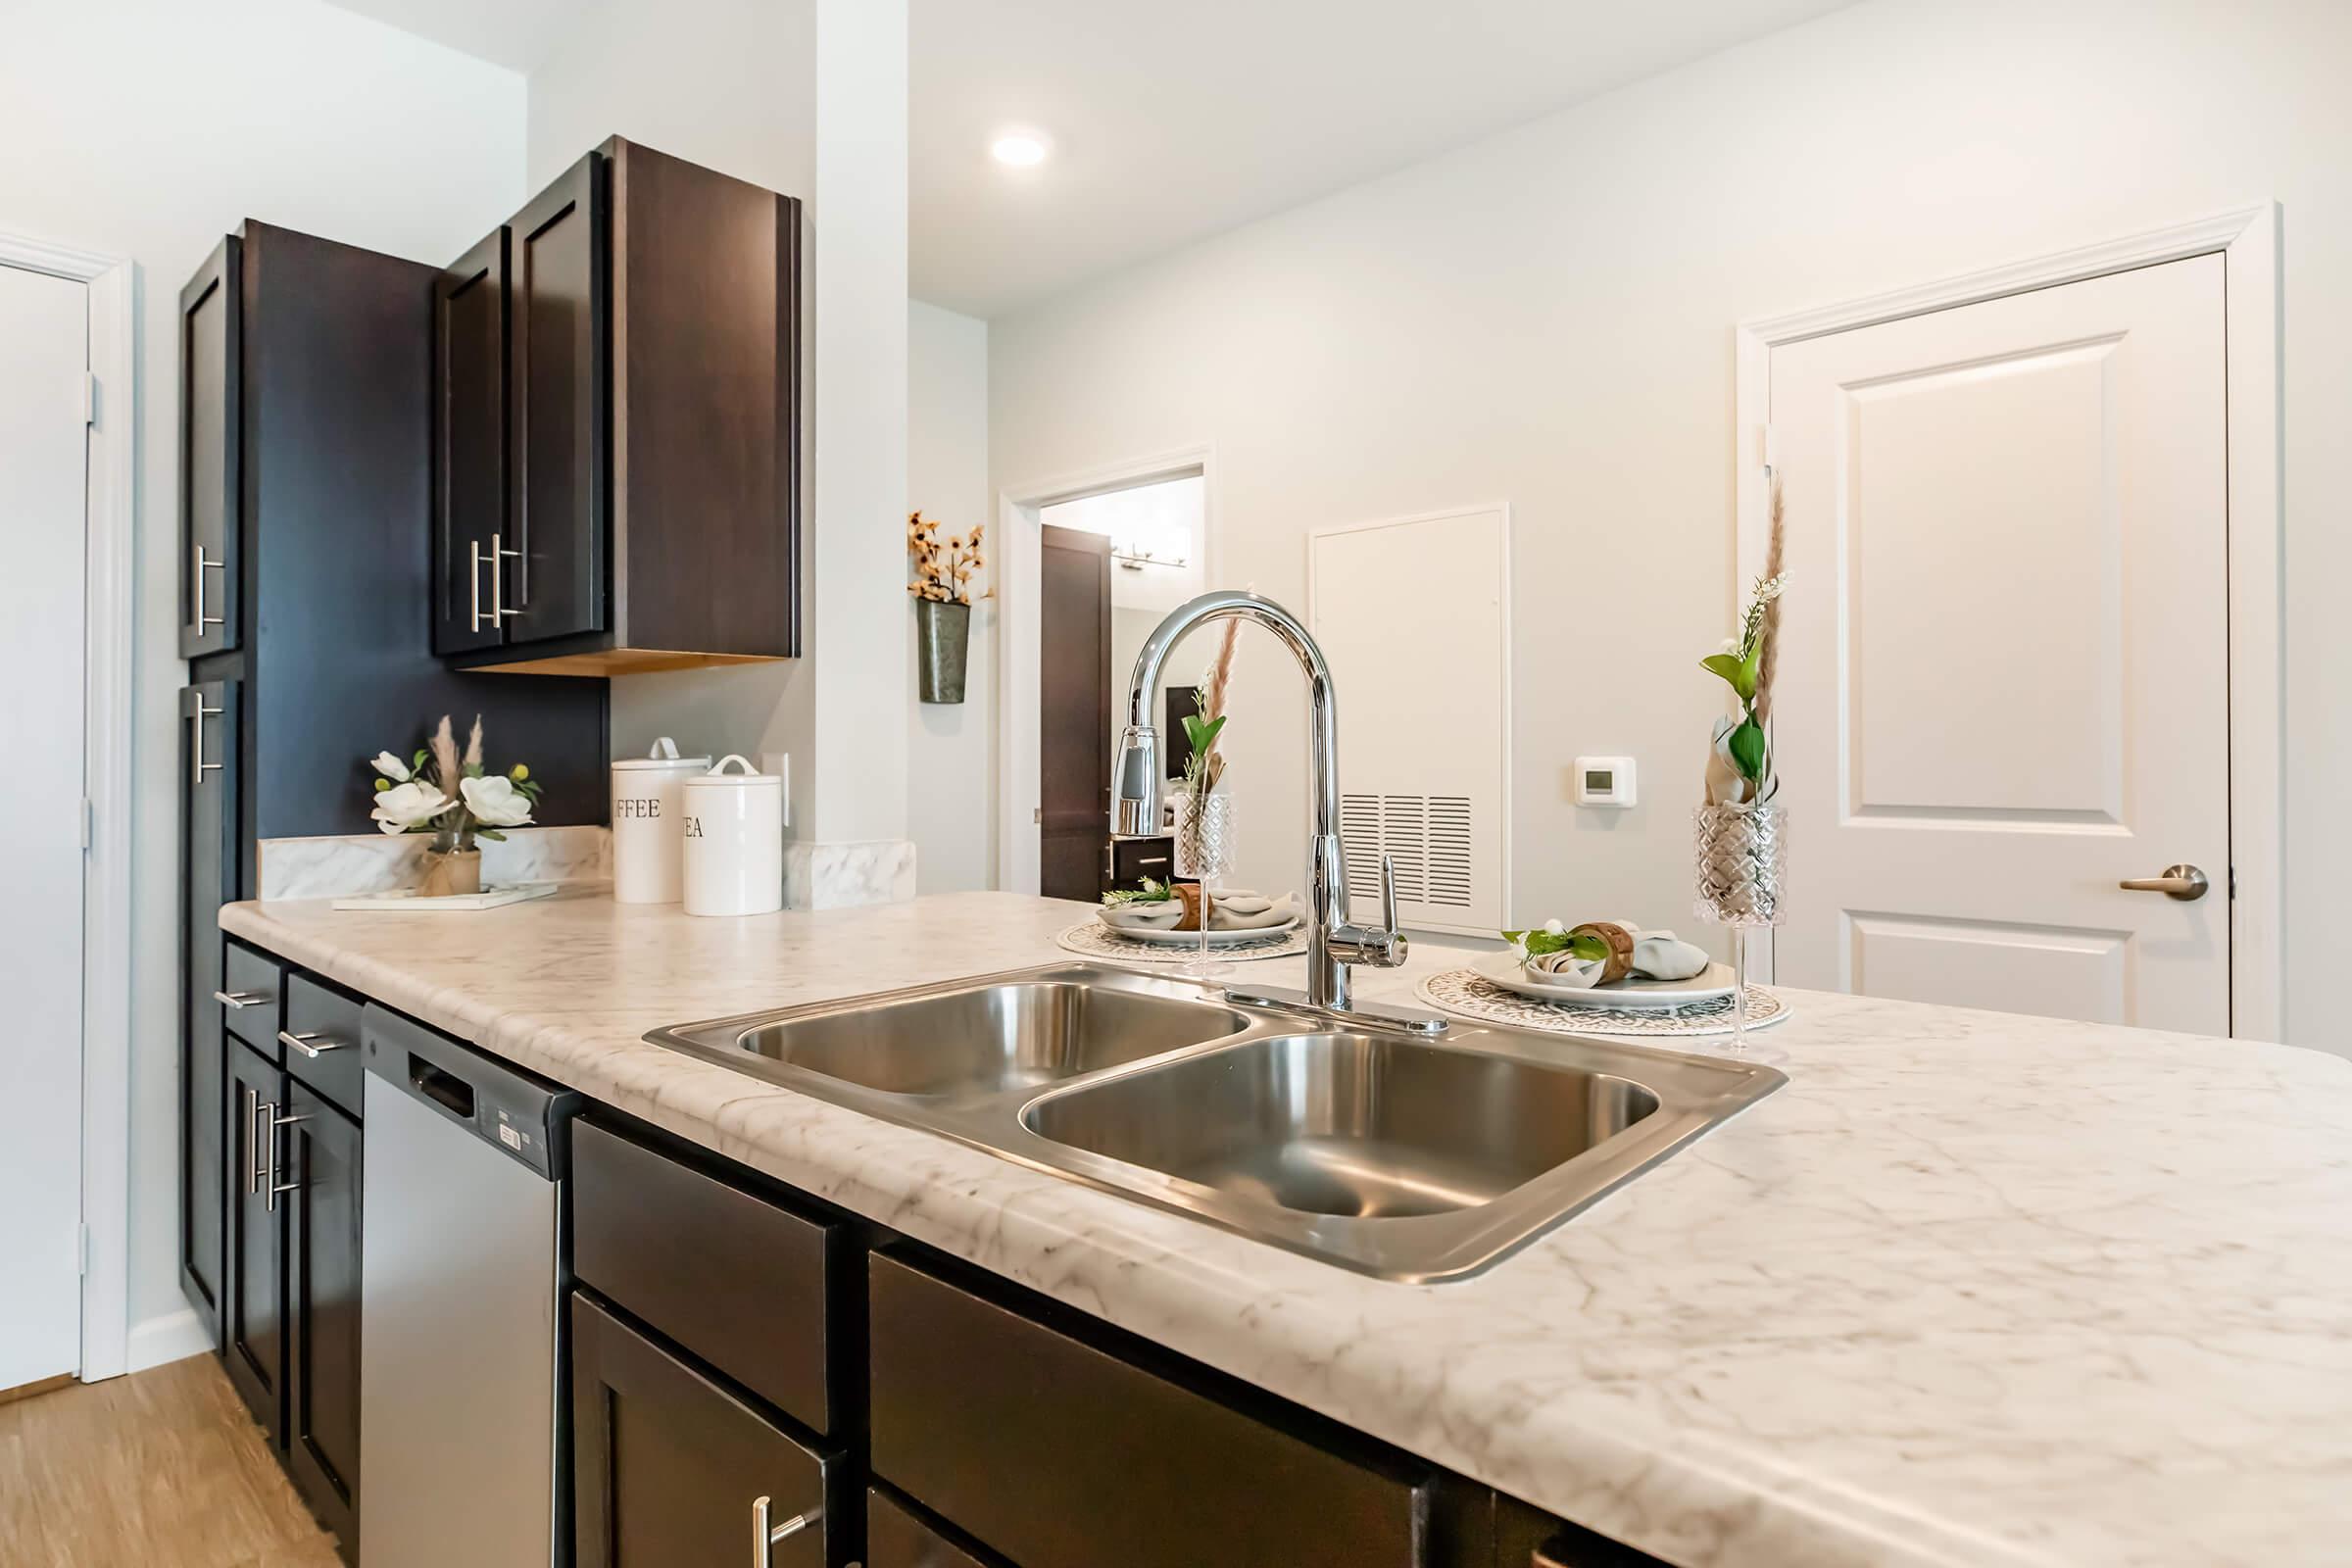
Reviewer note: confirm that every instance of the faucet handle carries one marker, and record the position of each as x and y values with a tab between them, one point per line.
1382	945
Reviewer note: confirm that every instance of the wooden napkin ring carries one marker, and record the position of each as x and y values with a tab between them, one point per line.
1621	948
1190	894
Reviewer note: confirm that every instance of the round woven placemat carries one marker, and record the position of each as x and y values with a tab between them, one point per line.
1466	995
1097	941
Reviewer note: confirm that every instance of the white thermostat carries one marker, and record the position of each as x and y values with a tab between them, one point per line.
1605	781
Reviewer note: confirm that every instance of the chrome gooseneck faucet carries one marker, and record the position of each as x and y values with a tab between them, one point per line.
1333	940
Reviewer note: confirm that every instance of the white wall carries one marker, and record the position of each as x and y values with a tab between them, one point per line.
951	749
1546	317
727	84
150	129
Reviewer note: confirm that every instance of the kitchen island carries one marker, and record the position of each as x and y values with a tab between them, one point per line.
1973	1288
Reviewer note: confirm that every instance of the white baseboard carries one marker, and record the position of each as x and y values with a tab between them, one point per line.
165	1336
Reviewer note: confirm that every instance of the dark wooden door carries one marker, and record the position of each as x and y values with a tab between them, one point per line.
254	1305
1075	687
668	1466
208	772
210	310
319	1161
559	386
469	446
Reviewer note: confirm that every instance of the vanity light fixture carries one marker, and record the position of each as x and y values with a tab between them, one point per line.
1020	149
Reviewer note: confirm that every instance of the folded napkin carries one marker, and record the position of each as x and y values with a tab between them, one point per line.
1161	916
1240	909
1655	956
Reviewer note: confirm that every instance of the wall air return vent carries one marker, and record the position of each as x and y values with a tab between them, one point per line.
1414	615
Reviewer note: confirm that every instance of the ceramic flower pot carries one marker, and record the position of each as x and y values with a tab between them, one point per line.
451	872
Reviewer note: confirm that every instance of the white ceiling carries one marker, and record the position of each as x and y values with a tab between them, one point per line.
1173	122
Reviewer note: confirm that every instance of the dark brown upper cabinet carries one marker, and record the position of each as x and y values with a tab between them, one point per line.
211	345
470	445
617	426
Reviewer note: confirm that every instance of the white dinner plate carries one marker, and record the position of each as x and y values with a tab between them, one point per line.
1191	939
1712	984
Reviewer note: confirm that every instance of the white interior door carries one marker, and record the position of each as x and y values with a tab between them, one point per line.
43	357
2004	681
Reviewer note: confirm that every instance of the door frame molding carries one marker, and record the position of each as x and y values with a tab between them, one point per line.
108	630
2248	240
1020	625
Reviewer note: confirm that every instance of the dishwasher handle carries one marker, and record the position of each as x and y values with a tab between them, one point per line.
519	1114
442	1087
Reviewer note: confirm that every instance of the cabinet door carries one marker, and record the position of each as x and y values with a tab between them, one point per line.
559	391
319	1172
469	448
211	340
670	1467
207	750
253	1317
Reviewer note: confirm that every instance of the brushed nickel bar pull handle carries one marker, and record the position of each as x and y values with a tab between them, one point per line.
473	587
763	1536
271	1187
302	1043
203	565
499	608
2183	882
239	999
253	1141
196	720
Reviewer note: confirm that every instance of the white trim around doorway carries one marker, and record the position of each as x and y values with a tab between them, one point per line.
107	754
1020	684
2248	238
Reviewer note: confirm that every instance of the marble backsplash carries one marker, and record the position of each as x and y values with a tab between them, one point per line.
345	866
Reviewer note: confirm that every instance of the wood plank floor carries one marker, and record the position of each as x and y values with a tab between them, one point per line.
163	1468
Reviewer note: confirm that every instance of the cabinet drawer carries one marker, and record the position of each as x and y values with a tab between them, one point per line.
897	1538
252	984
321	1044
733	1278
1061	1455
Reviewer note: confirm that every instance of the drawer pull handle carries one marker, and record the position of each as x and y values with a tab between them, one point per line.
763	1536
302	1043
239	999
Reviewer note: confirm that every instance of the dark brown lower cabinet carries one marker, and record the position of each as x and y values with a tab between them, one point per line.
319	1164
671	1467
1060	1455
253	1342
896	1539
290	1301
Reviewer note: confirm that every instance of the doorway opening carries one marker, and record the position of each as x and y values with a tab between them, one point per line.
1093	564
1114	566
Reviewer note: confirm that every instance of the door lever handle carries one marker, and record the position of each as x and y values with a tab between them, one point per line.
2183	882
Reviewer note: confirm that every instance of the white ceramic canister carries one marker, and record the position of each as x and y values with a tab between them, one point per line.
734	841
649	846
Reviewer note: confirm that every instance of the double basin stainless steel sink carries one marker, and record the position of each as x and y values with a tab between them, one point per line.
1397	1156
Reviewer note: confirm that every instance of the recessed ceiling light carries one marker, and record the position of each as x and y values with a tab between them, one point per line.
1019	149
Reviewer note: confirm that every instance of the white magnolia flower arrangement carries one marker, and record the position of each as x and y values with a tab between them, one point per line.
415	797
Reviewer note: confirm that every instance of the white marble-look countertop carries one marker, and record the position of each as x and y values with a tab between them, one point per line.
1972	1289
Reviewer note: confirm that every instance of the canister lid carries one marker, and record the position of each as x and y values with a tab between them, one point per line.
750	779
663	756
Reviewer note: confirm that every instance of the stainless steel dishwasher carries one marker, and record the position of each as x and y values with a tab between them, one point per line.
463	1381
